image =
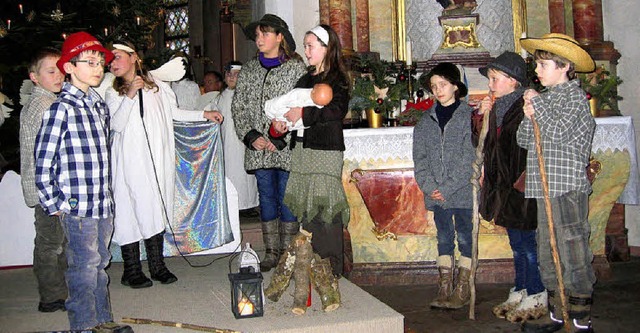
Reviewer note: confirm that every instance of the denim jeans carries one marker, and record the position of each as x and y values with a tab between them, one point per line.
87	256
272	184
572	229
446	234
49	260
525	260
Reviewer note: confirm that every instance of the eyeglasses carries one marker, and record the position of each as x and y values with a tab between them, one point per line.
93	63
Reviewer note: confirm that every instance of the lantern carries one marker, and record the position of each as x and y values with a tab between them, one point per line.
246	293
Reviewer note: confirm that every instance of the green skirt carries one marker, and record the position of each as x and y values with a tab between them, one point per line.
314	189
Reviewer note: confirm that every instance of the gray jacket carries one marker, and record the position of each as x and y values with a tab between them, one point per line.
256	85
442	161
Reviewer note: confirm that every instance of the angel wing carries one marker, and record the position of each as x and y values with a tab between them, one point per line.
5	110
172	70
107	82
25	91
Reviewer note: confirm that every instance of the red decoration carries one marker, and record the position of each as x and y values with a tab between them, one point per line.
379	101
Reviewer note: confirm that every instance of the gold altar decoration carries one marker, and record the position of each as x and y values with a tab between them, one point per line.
374	119
464	36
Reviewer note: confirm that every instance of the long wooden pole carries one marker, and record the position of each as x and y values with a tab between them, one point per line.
552	234
176	324
475	219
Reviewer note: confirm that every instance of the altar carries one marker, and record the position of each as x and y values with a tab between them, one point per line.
393	236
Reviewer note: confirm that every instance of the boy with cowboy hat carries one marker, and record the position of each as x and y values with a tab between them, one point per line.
566	128
73	176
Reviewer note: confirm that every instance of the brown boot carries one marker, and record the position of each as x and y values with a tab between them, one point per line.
271	237
445	282
462	292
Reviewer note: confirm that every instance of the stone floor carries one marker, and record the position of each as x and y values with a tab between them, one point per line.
616	301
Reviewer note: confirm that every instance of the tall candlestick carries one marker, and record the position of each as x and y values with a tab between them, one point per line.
64	36
8	24
523	52
20	6
138	20
106	32
408	42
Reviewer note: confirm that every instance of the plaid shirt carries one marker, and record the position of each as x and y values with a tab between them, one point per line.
72	155
30	121
566	130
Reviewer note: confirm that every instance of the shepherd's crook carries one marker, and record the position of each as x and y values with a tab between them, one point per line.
552	234
475	181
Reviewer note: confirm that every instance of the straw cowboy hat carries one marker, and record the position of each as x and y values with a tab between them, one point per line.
563	46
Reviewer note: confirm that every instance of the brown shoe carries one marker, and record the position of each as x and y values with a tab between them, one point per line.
445	282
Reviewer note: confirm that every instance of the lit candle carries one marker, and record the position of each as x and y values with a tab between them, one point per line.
408	41
138	20
245	307
20	6
64	36
8	24
106	32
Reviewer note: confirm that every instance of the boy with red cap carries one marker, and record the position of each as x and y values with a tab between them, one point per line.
72	177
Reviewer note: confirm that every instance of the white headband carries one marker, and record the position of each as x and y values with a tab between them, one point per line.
235	67
321	33
123	48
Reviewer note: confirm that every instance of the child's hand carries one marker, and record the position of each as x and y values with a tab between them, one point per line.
279	126
528	109
135	85
293	114
529	94
263	144
486	104
214	116
436	195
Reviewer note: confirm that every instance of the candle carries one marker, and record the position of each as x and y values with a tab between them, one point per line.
106	32
8	24
523	52
245	307
408	41
20	6
64	36
138	20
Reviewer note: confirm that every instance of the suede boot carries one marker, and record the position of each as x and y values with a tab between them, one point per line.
271	236
462	292
133	275
288	230
549	323
155	257
515	297
445	281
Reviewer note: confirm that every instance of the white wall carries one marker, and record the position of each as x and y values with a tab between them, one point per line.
300	15
620	27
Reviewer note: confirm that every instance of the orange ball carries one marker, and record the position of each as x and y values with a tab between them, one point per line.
321	94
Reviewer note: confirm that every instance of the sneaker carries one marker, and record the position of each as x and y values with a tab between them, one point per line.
112	327
52	306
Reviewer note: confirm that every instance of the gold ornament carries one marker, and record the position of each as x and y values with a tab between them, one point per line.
116	11
57	14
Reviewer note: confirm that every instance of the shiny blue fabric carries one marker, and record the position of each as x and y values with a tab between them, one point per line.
200	217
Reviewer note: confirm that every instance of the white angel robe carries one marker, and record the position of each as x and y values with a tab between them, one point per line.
139	209
233	148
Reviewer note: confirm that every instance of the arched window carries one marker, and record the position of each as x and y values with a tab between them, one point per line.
176	25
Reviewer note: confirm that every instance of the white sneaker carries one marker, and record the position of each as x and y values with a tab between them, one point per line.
515	297
532	307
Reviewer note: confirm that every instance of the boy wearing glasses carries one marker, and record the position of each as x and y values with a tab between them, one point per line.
72	178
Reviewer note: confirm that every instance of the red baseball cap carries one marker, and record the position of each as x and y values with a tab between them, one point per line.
77	43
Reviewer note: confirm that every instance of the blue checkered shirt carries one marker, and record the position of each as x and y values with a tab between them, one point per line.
72	155
566	130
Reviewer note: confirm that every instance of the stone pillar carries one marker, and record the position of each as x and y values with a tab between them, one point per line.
362	25
340	21
556	16
587	21
324	12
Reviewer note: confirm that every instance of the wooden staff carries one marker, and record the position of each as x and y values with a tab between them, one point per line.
177	324
552	234
475	181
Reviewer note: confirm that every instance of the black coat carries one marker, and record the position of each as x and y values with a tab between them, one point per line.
504	162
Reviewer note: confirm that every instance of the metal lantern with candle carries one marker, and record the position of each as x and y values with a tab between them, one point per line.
246	292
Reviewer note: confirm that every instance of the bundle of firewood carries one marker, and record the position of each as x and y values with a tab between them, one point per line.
306	267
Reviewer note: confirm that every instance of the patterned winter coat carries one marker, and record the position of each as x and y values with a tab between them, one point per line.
257	84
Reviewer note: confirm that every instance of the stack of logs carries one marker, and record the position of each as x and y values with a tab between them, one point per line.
300	262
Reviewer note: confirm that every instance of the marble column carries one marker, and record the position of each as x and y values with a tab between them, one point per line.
340	21
587	21
362	25
324	12
556	16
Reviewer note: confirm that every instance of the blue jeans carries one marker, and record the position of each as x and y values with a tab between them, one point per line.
446	233
525	260
272	184
572	229
88	254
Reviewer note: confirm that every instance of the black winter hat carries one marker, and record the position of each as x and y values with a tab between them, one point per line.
270	20
451	73
511	64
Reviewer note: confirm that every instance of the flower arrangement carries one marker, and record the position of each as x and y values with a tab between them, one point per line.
414	111
602	86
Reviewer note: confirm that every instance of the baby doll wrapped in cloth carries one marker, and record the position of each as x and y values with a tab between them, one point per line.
319	96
